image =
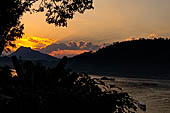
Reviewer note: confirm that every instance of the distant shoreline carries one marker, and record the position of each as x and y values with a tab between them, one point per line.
136	75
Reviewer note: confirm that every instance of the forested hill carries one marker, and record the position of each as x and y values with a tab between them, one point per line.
134	56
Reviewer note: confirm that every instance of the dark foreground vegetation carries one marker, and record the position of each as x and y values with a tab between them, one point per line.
38	89
140	57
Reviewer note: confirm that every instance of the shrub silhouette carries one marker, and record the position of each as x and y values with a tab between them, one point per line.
43	90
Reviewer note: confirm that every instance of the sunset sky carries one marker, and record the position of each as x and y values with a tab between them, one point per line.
111	20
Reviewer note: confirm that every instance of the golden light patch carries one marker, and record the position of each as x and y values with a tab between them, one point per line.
152	35
131	38
69	53
33	42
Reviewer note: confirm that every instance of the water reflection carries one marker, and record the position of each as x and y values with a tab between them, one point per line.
154	93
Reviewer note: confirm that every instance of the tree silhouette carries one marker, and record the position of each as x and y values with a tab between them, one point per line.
134	56
46	90
10	25
57	12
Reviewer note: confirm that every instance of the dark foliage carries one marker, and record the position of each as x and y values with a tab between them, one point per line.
10	25
138	56
58	12
42	90
145	49
133	50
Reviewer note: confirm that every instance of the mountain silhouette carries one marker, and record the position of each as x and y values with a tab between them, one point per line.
26	53
142	56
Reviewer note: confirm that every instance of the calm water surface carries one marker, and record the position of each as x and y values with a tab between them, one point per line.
154	93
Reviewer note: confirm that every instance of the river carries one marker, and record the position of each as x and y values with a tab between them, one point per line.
152	92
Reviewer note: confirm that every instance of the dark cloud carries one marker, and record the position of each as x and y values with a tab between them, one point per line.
81	45
40	45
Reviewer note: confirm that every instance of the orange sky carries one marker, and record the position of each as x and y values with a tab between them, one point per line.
69	53
33	42
38	43
111	20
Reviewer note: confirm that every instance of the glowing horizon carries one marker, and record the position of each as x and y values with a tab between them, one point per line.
32	42
69	49
68	53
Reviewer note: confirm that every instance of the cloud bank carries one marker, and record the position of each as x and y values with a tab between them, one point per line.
49	46
69	49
